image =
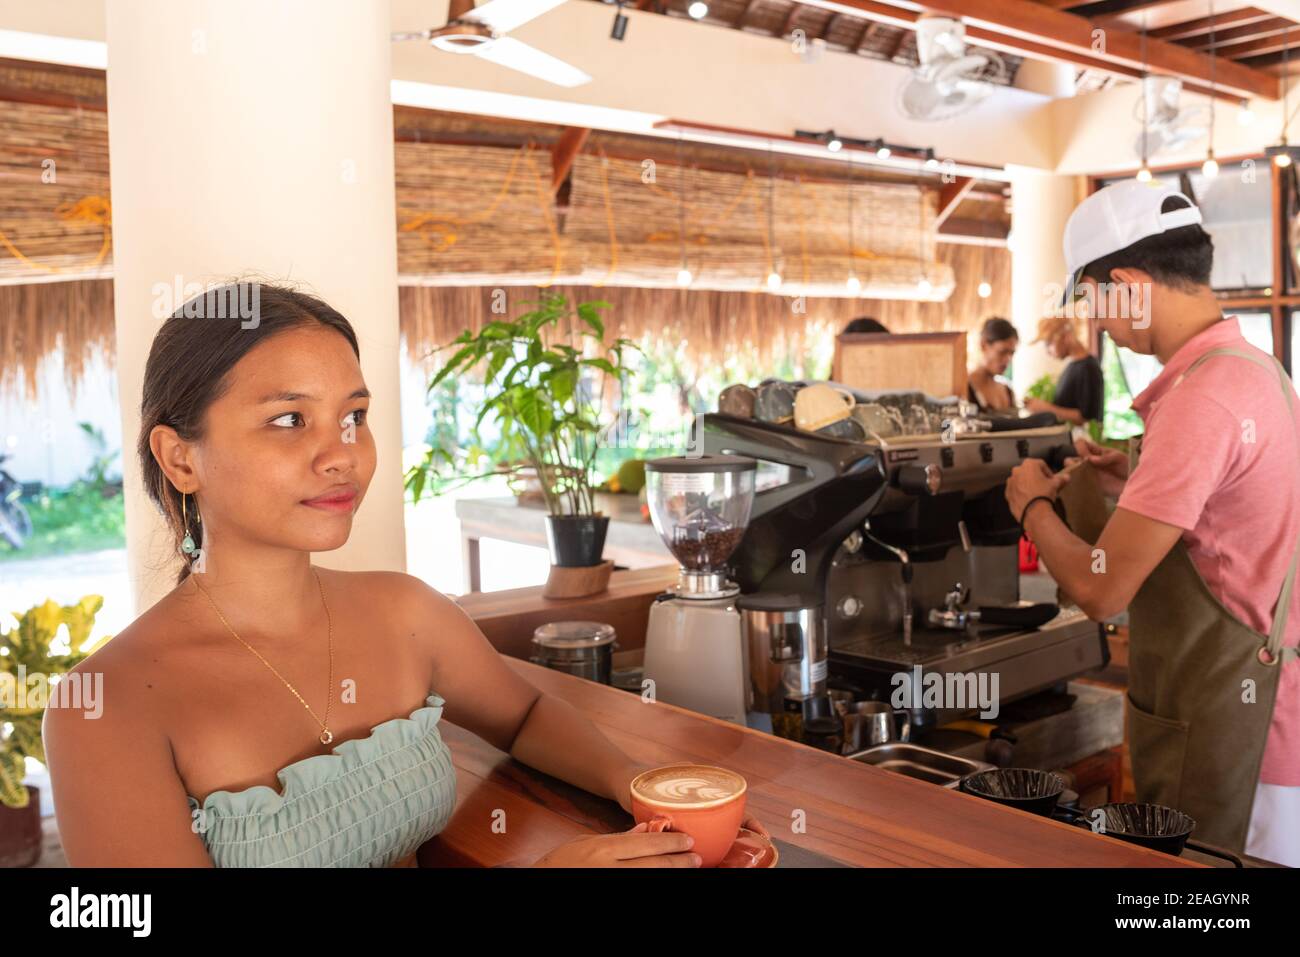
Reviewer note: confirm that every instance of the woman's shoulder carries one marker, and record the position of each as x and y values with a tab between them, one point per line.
395	593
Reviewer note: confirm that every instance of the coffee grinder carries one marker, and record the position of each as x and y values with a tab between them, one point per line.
694	649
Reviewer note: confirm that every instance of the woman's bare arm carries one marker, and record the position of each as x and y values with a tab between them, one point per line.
485	696
118	799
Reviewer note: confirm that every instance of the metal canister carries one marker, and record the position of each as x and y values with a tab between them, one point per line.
582	648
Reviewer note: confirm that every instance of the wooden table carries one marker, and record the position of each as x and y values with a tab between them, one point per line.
631	541
821	808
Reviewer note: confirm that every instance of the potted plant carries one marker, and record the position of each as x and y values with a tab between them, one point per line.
545	375
26	665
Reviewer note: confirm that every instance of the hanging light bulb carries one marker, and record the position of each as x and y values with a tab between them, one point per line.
931	161
883	151
684	277
924	286
774	280
1210	168
834	144
985	289
698	10
853	284
1282	160
1144	174
1245	115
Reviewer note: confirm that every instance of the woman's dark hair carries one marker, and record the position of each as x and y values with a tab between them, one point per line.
997	329
865	324
1180	257
188	368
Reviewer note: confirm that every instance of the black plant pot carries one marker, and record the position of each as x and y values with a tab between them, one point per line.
576	541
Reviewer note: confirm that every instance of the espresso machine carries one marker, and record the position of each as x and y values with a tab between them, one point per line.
885	566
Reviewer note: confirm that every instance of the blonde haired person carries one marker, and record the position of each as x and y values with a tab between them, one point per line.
1079	391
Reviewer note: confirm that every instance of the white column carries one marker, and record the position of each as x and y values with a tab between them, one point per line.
250	136
1040	205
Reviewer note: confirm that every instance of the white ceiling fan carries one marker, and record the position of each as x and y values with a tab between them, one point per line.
1167	124
949	80
480	31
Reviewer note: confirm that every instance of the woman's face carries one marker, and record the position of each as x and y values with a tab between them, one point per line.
287	455
997	355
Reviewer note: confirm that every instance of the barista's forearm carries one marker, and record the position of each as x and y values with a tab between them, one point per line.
1069	558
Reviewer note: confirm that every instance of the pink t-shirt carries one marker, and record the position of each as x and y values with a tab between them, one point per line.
1221	460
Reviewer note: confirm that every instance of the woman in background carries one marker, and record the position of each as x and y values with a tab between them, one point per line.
985	385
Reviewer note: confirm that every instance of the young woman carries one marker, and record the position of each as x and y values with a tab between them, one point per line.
986	387
269	712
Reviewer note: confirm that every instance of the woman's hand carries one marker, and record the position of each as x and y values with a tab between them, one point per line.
1038	405
1111	465
635	848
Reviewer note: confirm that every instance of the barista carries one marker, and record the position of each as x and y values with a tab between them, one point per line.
1203	545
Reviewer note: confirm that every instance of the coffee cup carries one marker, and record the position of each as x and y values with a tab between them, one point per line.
701	800
817	406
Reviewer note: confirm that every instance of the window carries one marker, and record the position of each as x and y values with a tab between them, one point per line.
1237	212
1295	343
1256	327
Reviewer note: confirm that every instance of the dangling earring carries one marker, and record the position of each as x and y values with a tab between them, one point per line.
187	546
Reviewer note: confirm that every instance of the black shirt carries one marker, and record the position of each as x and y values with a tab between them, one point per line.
1080	388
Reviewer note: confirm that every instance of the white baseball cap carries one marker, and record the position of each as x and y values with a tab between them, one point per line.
1116	217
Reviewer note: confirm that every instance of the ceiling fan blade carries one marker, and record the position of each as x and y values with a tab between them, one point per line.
517	55
502	16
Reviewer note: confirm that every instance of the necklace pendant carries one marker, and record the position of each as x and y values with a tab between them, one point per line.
326	737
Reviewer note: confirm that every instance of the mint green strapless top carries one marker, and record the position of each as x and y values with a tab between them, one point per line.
370	803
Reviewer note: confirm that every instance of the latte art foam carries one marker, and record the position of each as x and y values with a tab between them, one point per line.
689	786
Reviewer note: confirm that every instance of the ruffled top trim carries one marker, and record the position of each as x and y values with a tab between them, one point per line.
302	778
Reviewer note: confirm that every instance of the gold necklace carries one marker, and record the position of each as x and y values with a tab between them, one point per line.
325	736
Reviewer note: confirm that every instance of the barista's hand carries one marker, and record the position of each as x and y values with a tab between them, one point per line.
1038	405
1029	480
1111	465
638	847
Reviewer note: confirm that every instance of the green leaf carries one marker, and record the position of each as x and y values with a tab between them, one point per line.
451	365
603	364
588	313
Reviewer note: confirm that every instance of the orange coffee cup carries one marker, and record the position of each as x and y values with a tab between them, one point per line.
704	801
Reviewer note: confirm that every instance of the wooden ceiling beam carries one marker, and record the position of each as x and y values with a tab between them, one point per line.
973	232
564	152
1114	8
950	197
1273	44
1034	27
1251	31
1191	28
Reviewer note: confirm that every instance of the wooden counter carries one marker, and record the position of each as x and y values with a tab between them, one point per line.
854	814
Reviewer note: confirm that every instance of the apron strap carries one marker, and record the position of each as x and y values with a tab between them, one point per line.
1282	608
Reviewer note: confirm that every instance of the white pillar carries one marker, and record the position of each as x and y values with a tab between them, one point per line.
250	136
1040	205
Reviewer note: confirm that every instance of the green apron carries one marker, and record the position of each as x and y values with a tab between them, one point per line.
1202	686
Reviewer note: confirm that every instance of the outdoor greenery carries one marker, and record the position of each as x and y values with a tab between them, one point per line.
543	403
32	653
86	516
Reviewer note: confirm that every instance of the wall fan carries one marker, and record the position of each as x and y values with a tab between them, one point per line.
948	80
480	31
1167	125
